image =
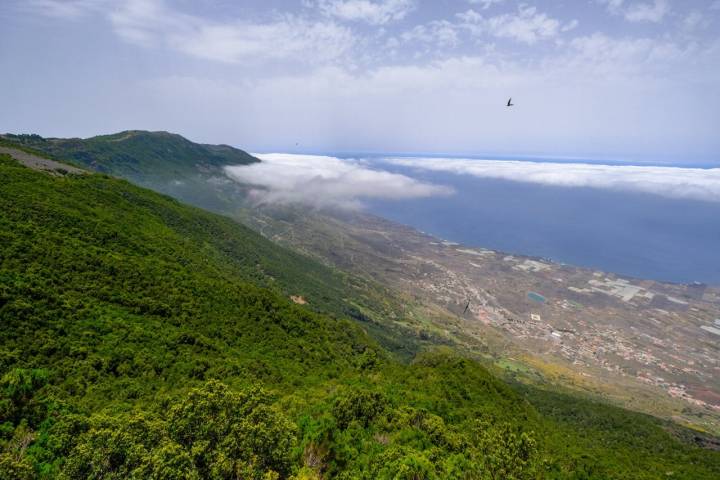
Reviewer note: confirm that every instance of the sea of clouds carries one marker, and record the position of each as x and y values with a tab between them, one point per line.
674	182
321	181
324	181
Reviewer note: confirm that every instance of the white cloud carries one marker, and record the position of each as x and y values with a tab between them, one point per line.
288	39
374	12
439	33
622	56
571	25
485	4
646	12
326	182
527	25
694	21
653	12
68	9
153	23
685	183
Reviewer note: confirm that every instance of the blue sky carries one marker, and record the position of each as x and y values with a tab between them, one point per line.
625	79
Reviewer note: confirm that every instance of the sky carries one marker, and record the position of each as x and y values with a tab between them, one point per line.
631	80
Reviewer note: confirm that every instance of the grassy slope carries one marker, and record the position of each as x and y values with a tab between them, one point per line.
115	301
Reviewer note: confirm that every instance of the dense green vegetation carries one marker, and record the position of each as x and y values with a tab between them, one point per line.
142	338
190	172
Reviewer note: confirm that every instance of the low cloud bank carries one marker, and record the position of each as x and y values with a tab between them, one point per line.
323	182
673	182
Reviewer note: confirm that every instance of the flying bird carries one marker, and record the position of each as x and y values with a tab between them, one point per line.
466	307
510	104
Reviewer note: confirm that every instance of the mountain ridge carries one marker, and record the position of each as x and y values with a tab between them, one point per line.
138	153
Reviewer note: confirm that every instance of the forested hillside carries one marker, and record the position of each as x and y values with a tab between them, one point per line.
137	153
142	338
162	161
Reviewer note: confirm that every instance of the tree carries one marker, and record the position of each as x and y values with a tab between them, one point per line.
115	448
503	452
233	434
359	406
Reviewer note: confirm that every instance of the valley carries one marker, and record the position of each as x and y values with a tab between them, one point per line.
627	339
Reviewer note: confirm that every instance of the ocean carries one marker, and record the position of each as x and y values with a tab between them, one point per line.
631	233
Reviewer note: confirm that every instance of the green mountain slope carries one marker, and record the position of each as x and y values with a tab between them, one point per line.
142	338
192	173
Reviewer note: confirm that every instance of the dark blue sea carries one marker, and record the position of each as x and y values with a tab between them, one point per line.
632	234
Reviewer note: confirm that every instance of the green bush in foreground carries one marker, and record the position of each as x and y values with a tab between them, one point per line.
214	433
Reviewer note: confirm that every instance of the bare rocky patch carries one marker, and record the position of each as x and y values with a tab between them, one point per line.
42	164
298	299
